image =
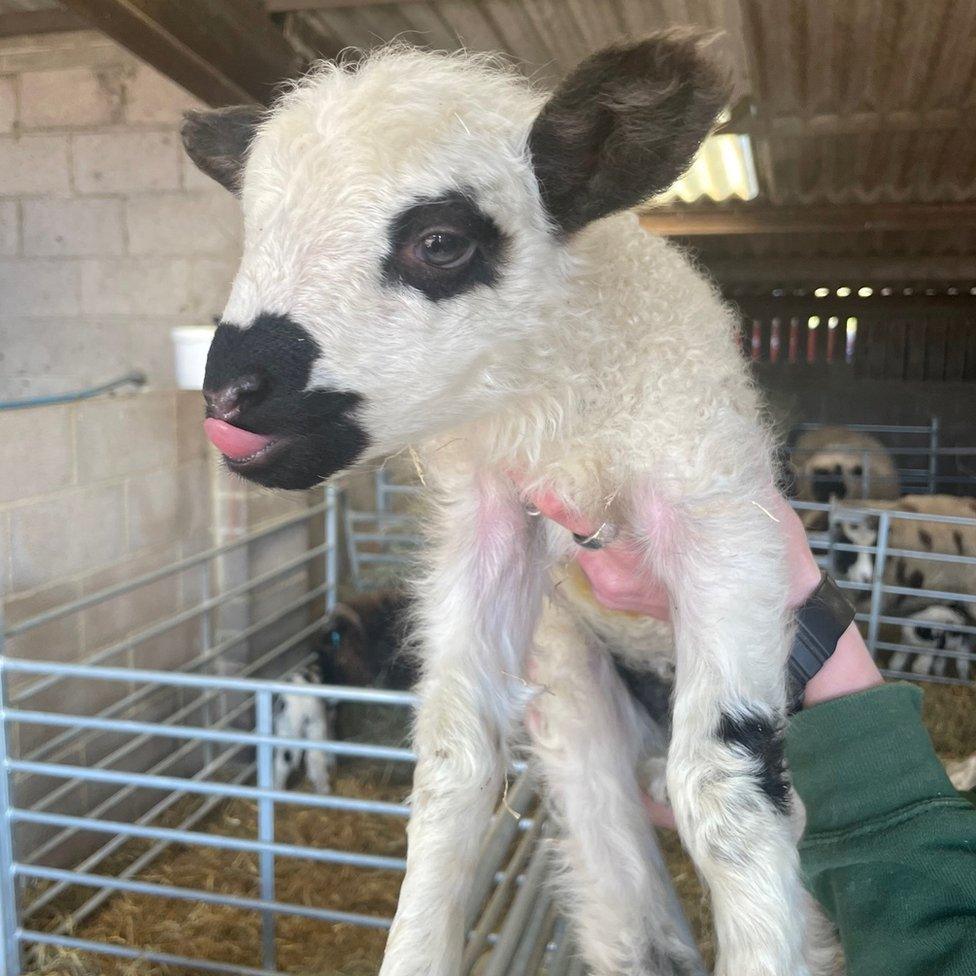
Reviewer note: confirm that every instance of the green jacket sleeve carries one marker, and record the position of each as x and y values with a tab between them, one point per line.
890	846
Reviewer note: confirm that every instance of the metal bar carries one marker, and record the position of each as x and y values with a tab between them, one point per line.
933	457
172	835
195	894
381	518
206	639
915	651
184	616
877	585
935	557
363	750
82	912
351	551
157	574
215	789
871	428
501	831
565	949
479	937
230	683
117	797
264	718
124	952
182	712
148	689
532	948
332	497
854	510
951	628
515	921
8	883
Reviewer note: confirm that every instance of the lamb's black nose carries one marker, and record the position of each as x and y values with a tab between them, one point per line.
227	402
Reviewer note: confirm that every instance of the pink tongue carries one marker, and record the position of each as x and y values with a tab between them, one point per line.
233	442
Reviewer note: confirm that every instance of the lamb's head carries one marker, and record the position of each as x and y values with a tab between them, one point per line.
858	567
409	227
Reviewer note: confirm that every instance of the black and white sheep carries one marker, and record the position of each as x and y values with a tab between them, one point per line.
836	463
362	645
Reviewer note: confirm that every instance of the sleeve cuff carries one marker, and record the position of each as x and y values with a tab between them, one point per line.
863	756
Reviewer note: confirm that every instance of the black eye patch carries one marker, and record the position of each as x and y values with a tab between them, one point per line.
452	216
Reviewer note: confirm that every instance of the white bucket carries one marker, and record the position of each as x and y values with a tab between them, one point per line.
190	345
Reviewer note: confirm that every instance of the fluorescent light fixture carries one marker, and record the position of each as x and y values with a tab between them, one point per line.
724	168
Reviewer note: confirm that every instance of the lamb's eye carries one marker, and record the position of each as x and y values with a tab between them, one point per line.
444	249
924	634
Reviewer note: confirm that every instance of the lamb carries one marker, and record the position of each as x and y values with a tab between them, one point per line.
303	717
837	463
934	627
437	257
362	644
957	539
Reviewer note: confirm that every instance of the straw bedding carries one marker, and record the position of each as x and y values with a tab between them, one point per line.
232	935
306	946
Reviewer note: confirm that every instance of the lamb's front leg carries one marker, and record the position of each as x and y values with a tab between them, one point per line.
726	566
478	607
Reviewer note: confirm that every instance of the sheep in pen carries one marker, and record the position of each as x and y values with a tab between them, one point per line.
435	258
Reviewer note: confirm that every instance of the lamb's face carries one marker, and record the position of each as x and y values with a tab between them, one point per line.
933	628
858	567
390	265
406	229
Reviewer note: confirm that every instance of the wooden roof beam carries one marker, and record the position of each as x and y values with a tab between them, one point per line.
744	121
223	51
730	220
18	22
288	6
813	272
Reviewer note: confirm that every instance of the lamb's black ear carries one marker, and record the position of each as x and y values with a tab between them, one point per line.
218	140
624	125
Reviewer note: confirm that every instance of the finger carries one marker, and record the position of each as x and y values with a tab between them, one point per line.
660	813
552	507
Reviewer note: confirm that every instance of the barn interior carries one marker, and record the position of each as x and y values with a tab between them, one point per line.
834	206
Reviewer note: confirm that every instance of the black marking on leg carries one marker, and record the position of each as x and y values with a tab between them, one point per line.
758	734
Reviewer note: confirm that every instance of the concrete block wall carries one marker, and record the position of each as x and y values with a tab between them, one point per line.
94	494
109	237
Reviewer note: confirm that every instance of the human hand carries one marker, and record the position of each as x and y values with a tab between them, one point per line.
621	580
618	576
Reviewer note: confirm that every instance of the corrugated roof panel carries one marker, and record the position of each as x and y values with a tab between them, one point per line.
723	170
19	6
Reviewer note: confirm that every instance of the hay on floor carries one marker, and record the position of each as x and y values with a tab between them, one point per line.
216	932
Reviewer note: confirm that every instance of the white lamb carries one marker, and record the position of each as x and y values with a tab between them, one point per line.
431	259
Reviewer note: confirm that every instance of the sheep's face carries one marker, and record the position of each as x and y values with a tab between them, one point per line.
934	628
407	228
858	567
